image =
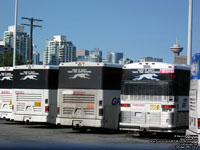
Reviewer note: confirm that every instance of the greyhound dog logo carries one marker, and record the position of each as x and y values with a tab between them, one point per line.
80	75
31	77
6	78
147	76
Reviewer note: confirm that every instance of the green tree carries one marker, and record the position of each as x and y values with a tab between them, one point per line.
6	59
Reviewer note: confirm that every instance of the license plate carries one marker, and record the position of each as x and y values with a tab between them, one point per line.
89	106
38	104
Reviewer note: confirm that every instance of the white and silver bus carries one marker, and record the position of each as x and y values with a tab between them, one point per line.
155	97
89	95
6	78
35	93
194	107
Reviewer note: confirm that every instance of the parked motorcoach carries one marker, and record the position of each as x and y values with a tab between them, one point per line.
194	105
89	95
35	93
155	97
6	78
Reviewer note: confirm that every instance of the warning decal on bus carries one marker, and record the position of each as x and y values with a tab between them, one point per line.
154	107
89	106
37	104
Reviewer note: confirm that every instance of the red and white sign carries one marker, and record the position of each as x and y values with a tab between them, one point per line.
5	92
78	93
138	105
20	103
19	92
69	105
166	71
6	101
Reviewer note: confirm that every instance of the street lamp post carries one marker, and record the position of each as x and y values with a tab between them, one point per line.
15	34
189	46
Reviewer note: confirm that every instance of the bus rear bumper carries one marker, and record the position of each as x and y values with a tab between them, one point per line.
31	118
5	115
152	128
79	122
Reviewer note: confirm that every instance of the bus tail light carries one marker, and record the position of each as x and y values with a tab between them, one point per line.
100	112
198	123
58	110
123	76
125	105
13	107
172	76
168	106
46	108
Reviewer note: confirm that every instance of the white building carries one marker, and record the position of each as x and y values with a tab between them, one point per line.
2	46
151	59
114	57
124	61
59	50
36	58
22	41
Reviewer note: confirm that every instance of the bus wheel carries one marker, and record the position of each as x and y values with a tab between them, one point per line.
144	134
27	122
82	129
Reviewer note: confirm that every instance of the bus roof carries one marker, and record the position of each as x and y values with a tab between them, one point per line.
155	65
36	67
6	68
90	64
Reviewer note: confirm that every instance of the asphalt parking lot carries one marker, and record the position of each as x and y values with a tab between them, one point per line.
15	135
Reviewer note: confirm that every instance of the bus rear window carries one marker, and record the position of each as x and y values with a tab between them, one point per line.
35	79
90	78
6	78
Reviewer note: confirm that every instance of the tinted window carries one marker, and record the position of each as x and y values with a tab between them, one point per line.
80	77
145	88
52	79
176	84
112	78
155	75
181	82
6	78
90	78
35	79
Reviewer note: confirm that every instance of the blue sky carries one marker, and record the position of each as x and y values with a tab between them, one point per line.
138	28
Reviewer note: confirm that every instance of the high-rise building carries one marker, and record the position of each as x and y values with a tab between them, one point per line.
59	50
95	56
151	59
124	61
180	60
22	43
114	57
82	54
2	46
36	58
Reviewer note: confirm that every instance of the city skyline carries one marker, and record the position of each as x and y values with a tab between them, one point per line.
138	28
